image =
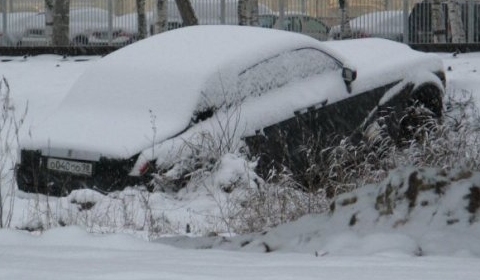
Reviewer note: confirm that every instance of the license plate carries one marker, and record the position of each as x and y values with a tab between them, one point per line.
74	167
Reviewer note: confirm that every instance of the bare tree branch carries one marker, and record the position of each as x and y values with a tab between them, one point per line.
186	12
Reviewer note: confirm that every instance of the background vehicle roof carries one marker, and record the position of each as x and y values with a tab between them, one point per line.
376	22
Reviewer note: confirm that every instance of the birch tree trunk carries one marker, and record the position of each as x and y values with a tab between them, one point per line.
254	13
242	10
438	29
186	12
247	12
49	5
141	19
455	20
345	30
61	23
161	22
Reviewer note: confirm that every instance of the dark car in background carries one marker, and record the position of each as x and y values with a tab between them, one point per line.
420	22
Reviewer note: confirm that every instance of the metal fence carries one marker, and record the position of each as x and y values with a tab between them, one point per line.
114	22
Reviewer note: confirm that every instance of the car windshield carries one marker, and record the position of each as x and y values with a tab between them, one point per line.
284	68
264	75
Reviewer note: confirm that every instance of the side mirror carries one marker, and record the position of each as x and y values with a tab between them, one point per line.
349	75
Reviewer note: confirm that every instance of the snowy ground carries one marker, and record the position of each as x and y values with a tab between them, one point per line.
70	253
441	231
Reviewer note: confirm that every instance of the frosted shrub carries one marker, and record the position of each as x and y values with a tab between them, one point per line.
276	203
451	143
9	128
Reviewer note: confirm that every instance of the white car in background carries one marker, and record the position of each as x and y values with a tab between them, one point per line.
145	106
383	24
208	13
16	23
82	23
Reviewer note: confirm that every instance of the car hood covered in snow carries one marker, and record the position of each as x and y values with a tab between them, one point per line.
147	92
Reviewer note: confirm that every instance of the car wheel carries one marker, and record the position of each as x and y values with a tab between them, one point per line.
423	113
415	116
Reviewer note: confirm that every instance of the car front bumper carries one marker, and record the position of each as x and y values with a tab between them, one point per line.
107	175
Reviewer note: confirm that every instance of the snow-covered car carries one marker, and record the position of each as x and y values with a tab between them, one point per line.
141	108
383	24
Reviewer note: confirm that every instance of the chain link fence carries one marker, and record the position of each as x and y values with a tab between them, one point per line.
114	22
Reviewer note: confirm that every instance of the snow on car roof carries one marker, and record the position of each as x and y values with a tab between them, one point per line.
380	61
147	92
156	82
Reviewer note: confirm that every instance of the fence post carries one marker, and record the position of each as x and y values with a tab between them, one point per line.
223	8
471	21
110	22
3	38
406	29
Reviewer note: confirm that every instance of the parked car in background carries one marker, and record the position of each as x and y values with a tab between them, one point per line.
82	23
34	37
207	12
133	113
296	22
383	24
125	30
420	21
16	23
115	37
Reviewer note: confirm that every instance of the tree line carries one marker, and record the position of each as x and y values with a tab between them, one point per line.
57	17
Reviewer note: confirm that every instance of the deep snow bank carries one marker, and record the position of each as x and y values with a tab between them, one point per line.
414	211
